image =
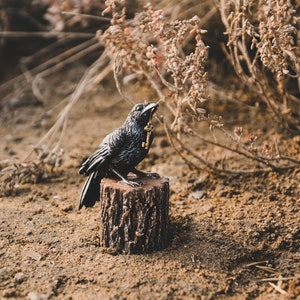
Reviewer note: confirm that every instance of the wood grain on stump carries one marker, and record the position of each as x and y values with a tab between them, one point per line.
134	219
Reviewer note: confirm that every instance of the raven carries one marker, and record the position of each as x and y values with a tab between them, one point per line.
119	153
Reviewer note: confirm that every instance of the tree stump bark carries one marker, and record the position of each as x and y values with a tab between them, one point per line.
134	219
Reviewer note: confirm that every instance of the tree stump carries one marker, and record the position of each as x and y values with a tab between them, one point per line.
134	219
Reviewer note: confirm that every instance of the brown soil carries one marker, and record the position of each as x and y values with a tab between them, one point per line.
227	235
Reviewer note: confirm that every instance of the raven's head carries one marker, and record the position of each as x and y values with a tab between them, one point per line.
142	113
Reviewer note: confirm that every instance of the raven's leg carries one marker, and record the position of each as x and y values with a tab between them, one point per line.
131	183
143	174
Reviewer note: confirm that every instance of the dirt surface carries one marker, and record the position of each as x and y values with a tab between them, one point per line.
229	237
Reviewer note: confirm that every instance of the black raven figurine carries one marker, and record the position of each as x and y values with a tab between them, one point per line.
119	153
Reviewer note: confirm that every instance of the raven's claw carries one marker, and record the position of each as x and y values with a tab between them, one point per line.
134	183
152	175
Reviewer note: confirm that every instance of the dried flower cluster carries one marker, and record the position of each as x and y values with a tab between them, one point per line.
275	39
182	68
85	6
151	46
262	35
60	22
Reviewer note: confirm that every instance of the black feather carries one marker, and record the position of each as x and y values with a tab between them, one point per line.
119	153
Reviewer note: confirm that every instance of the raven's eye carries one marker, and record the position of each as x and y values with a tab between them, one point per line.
139	107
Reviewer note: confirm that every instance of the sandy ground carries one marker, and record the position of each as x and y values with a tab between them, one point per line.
235	237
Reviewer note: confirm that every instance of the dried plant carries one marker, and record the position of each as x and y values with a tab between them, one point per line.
155	47
151	46
65	14
262	49
38	170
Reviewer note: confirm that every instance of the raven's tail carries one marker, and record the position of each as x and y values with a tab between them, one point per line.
90	192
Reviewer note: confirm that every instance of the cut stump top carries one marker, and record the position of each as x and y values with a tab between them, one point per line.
148	183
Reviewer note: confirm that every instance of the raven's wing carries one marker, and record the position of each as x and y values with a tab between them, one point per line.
108	149
96	160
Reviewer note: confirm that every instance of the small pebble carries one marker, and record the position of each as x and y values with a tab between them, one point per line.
19	277
34	255
198	194
37	296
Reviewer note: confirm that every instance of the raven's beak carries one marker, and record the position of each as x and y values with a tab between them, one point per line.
152	107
